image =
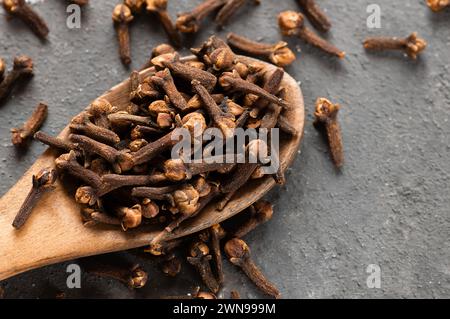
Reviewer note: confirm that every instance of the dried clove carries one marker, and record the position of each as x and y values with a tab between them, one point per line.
122	16
131	217
42	183
23	67
185	71
438	5
165	81
159	7
217	233
31	126
92	217
82	124
261	213
134	277
239	254
326	118
99	110
23	11
120	160
224	121
232	82
190	22
54	142
192	121
412	45
176	170
199	257
278	53
292	23
315	15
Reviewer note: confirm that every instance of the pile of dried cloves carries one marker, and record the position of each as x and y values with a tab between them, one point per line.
123	162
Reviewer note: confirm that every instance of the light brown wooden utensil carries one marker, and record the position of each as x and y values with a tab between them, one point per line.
55	232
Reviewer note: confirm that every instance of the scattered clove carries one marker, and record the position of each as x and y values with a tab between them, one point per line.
292	23
217	233
326	118
23	67
42	182
239	254
133	277
190	22
171	266
412	45
278	53
21	135
23	11
122	17
315	15
159	7
199	257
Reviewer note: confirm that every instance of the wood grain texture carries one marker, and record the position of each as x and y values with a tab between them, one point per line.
55	232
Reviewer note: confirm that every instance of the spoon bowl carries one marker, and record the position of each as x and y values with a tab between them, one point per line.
55	232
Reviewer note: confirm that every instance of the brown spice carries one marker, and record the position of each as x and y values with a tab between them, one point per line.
23	67
134	277
122	16
412	45
326	117
23	11
190	22
278	53
42	182
21	135
239	254
217	233
54	142
315	15
159	7
292	23
200	259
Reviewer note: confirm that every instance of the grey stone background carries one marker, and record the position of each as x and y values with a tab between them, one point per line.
390	204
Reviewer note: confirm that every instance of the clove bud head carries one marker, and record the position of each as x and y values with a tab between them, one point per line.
45	178
199	249
23	64
86	195
282	56
122	14
12	6
290	22
131	217
175	170
100	107
237	250
186	200
415	45
325	110
222	59
138	278
161	49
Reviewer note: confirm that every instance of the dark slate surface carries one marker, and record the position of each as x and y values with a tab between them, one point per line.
389	206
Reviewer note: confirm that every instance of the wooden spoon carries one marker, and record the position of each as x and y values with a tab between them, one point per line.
55	232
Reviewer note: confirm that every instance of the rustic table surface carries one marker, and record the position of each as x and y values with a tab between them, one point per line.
388	207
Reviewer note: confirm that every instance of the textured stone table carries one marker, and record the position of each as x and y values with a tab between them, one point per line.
390	204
